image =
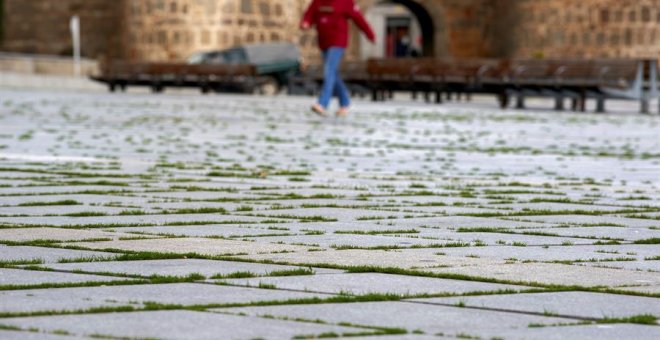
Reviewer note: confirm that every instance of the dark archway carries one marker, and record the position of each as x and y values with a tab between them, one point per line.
425	22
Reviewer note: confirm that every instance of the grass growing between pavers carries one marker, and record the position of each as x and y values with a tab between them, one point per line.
439	159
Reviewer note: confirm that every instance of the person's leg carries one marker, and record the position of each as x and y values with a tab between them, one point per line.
341	91
331	60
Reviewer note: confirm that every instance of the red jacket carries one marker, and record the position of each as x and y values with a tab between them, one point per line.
331	20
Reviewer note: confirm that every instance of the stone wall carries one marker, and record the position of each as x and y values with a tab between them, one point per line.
42	26
173	30
583	28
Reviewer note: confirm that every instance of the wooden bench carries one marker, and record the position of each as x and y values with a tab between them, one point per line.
158	76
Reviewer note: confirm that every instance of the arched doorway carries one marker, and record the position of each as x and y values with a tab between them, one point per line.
403	28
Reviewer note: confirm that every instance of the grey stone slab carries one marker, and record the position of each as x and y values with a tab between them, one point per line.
44	190
203	246
445	210
589	332
30	277
464	221
265	204
328	240
561	274
131	219
341	214
200	195
594	220
556	253
627	234
224	230
365	283
57	210
27	335
179	267
431	319
572	304
557	206
83	298
55	234
402	258
176	325
86	199
496	238
651	266
48	255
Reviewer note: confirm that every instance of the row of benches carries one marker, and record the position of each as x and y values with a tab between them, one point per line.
507	79
577	80
158	76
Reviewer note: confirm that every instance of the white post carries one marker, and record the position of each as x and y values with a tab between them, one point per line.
75	35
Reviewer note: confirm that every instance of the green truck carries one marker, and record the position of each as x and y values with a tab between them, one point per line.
277	62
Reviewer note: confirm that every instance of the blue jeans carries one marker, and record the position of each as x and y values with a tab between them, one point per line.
332	82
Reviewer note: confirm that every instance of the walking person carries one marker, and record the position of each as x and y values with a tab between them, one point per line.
331	20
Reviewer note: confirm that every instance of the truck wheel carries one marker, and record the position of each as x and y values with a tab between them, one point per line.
269	88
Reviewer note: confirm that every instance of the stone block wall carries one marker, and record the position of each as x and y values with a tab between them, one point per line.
42	26
583	28
173	30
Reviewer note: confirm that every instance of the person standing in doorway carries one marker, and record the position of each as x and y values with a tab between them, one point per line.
331	20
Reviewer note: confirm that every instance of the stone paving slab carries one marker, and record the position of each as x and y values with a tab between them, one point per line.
341	214
178	267
56	221
649	266
573	304
330	240
86	200
55	234
431	319
627	234
83	298
175	325
27	335
497	238
589	332
57	210
223	230
557	253
560	274
595	220
406	258
21	277
366	283
48	255
203	246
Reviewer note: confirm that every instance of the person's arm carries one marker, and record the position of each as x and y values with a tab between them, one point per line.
308	18
357	17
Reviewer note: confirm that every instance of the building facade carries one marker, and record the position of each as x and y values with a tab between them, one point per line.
169	30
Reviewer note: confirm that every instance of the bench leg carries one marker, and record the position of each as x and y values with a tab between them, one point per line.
644	106
520	102
413	95
438	97
504	100
559	103
427	97
374	95
600	105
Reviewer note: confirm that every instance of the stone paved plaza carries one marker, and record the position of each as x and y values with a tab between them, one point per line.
182	216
